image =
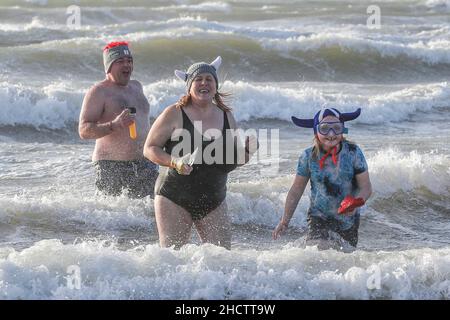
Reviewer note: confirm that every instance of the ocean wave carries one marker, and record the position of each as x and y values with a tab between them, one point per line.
66	3
80	212
334	53
44	271
392	171
214	6
54	106
269	101
438	5
352	45
57	105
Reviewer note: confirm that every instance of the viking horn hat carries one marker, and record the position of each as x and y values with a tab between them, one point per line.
312	123
198	68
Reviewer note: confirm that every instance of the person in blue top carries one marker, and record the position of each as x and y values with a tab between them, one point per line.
339	177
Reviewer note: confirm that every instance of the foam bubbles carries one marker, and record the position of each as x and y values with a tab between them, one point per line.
210	272
392	171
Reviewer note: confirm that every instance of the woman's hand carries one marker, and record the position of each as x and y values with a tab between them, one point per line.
349	204
180	166
280	229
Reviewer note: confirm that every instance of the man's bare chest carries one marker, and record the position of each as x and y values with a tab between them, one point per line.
116	102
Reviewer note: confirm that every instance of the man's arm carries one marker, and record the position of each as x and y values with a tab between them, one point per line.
91	112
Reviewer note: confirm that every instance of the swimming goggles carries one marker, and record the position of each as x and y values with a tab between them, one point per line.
325	127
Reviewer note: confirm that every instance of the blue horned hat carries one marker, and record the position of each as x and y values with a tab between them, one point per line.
313	123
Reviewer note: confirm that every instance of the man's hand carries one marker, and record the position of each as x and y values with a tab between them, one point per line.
123	120
349	204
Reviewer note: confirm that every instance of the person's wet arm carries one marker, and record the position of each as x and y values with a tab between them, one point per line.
293	197
91	112
350	203
161	131
364	185
159	134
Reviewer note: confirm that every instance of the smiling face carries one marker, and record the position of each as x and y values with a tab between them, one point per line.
121	70
330	140
203	87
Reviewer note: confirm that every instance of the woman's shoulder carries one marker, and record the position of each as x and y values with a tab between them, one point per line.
352	146
306	153
171	111
171	114
354	151
231	119
228	112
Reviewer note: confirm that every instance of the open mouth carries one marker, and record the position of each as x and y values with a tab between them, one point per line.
204	91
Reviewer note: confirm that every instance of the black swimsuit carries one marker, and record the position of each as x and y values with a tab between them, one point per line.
204	189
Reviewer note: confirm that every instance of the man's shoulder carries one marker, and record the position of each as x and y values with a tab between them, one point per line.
97	91
99	87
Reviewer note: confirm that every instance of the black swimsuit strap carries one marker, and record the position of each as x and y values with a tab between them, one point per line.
187	123
226	124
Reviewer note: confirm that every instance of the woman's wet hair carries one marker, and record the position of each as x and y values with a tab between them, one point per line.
316	146
219	100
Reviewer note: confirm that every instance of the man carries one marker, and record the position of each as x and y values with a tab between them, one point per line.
105	116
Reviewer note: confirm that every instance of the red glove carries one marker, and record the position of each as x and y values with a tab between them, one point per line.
349	204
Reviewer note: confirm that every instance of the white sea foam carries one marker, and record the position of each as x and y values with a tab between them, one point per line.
269	101
392	171
36	23
207	6
438	5
52	106
56	105
209	272
39	2
62	209
430	45
431	51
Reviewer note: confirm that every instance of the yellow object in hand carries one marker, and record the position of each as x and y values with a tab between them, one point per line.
132	128
176	163
188	159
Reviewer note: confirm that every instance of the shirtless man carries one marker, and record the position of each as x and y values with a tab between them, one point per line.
105	117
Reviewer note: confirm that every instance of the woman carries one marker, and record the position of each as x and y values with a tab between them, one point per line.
188	193
339	176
